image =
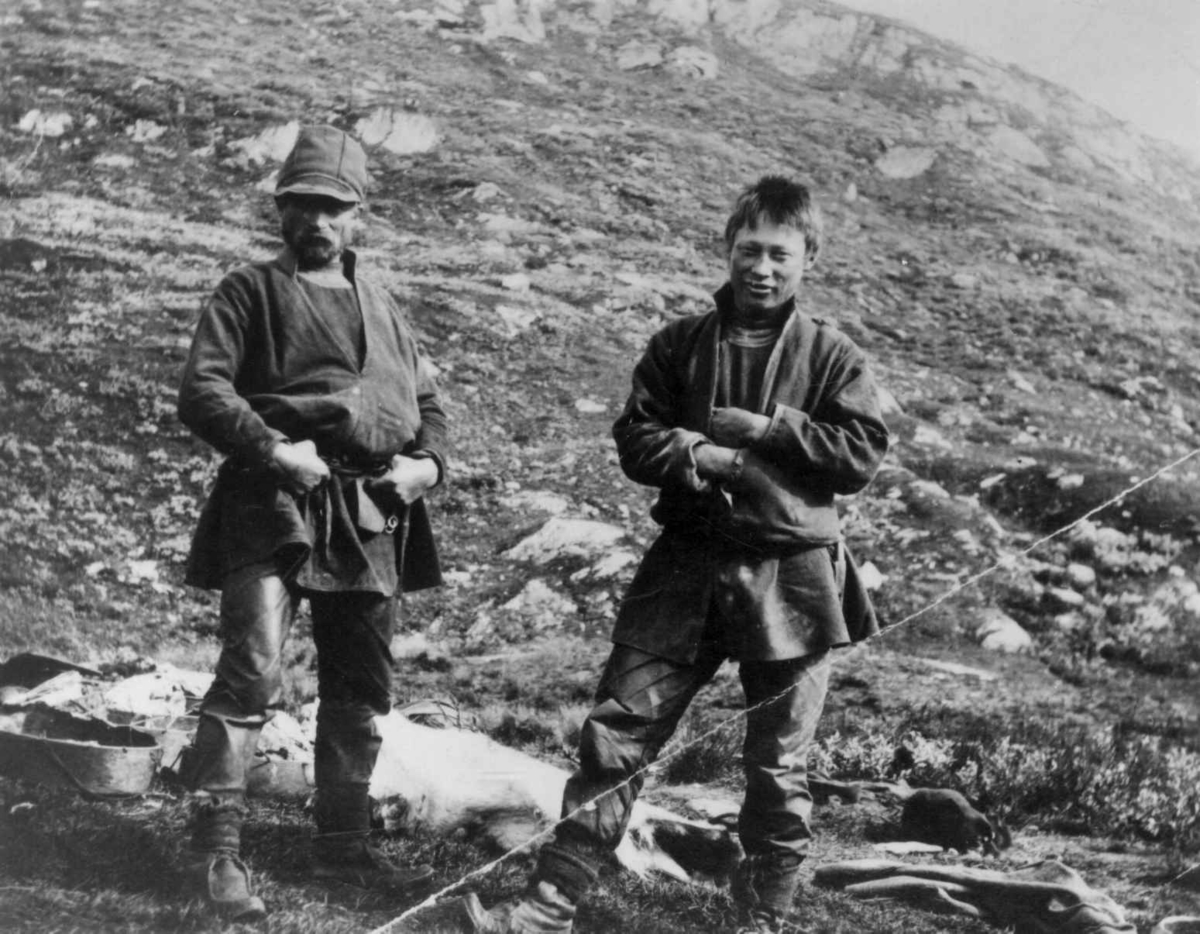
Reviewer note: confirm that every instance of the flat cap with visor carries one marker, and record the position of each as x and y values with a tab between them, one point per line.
325	162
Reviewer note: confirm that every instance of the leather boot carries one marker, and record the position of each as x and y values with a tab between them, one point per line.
562	879
544	909
342	851
763	889
216	869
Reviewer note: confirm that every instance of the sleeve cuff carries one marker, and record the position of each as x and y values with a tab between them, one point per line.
437	459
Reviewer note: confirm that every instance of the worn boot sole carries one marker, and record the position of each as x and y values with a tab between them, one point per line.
246	909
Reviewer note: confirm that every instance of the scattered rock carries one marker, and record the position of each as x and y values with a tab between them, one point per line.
541	604
871	577
52	125
1020	383
114	160
999	632
590	407
901	162
1015	145
144	131
1069	622
516	282
486	192
1080	576
536	501
509	19
398	131
271	145
1063	598
693	62
561	537
635	54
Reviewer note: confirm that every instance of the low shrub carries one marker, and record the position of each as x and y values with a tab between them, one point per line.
1108	781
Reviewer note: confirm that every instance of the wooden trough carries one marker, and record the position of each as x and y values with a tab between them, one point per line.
51	747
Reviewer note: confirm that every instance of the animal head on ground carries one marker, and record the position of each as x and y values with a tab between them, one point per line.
945	818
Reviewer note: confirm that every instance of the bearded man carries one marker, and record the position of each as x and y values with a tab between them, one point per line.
309	378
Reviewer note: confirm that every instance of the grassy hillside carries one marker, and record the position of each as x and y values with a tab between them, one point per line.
1035	326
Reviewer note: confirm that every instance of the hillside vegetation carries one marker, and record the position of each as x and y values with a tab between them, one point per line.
549	187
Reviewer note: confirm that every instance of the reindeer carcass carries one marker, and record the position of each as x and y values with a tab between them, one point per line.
449	779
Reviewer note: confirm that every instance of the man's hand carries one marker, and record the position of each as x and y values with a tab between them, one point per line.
737	428
301	470
406	481
714	462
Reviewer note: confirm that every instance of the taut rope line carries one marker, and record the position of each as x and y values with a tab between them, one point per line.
394	925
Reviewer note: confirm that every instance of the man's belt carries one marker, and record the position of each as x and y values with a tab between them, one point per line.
368	517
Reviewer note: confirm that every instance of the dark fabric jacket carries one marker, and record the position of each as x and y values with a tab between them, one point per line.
755	548
264	368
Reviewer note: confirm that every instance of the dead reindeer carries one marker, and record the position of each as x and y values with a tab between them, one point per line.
449	780
945	818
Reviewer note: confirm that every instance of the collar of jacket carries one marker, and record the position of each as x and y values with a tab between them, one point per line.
286	260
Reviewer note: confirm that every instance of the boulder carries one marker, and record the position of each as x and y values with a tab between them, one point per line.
693	62
905	161
999	632
566	537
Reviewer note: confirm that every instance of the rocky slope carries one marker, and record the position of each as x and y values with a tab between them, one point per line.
550	183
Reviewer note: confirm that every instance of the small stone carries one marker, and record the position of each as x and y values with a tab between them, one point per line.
905	161
1064	598
52	125
1069	622
871	577
1080	576
516	282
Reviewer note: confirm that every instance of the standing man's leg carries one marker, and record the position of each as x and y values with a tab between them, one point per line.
257	609
639	702
353	634
774	821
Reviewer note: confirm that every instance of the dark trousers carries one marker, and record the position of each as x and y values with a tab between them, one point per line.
352	632
639	703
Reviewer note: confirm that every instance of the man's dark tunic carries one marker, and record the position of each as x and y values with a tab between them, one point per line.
269	365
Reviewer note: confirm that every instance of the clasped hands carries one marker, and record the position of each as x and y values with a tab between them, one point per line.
302	470
729	430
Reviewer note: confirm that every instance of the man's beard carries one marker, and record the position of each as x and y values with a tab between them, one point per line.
315	252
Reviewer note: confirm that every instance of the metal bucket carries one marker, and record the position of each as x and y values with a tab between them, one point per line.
51	747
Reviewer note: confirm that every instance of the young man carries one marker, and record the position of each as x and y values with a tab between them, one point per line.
309	378
748	419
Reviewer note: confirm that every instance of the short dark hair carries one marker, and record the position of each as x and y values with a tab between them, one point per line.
781	201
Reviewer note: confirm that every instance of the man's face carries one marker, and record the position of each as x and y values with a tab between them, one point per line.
766	265
317	228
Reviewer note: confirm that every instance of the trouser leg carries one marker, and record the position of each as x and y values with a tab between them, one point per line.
638	705
353	635
774	821
257	609
639	702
